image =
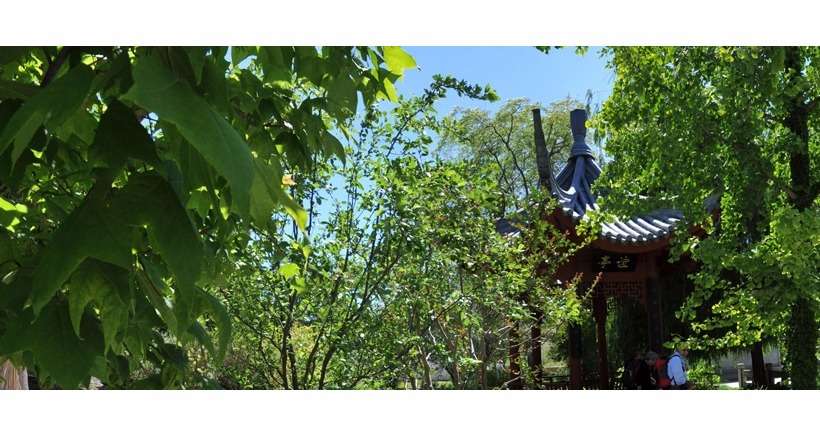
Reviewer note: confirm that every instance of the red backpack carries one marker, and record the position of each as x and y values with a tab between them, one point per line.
663	376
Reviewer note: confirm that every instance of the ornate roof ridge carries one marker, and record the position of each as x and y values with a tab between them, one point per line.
572	187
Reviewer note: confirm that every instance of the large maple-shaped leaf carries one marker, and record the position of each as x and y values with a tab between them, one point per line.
90	231
51	106
158	90
59	352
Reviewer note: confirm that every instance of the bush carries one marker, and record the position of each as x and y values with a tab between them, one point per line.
704	375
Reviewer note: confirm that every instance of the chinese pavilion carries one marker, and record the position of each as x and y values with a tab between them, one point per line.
628	260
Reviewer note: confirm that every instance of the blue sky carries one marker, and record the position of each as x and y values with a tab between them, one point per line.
512	72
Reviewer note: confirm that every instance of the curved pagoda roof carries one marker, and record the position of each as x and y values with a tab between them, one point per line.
572	188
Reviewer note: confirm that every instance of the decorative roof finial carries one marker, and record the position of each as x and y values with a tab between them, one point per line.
577	122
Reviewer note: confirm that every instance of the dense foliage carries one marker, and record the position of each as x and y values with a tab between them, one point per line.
728	136
127	176
392	284
278	217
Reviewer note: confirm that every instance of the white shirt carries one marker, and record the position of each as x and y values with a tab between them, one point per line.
676	369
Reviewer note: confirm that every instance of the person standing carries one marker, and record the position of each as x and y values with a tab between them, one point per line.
676	368
631	367
647	376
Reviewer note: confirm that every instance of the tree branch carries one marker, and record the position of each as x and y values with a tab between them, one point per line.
54	66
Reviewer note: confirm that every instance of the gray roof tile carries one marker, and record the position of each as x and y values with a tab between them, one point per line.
572	188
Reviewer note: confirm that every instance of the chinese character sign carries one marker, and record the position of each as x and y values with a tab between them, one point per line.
615	262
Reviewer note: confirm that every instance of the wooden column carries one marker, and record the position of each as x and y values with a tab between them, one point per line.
576	376
599	313
653	305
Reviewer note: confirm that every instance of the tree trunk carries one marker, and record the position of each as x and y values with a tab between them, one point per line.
803	335
482	375
515	381
759	379
485	359
455	375
452	347
427	380
802	345
534	359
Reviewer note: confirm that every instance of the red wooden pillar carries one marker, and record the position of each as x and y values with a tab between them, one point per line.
599	313
653	304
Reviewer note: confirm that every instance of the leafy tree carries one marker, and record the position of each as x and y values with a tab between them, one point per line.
727	135
315	311
503	141
392	281
502	145
127	176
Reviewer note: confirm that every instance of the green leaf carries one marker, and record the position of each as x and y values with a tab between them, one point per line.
309	64
295	150
108	286
90	231
398	60
201	335
156	291
375	61
51	106
140	329
101	230
196	56
16	320
222	319
299	285
288	270
267	189
85	288
275	64
156	89
196	172
268	192
296	212
116	79
10	89
342	96
10	54
120	136
18	333
239	54
59	353
214	84
115	318
10	214
390	90
199	200
333	145
80	125
150	201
